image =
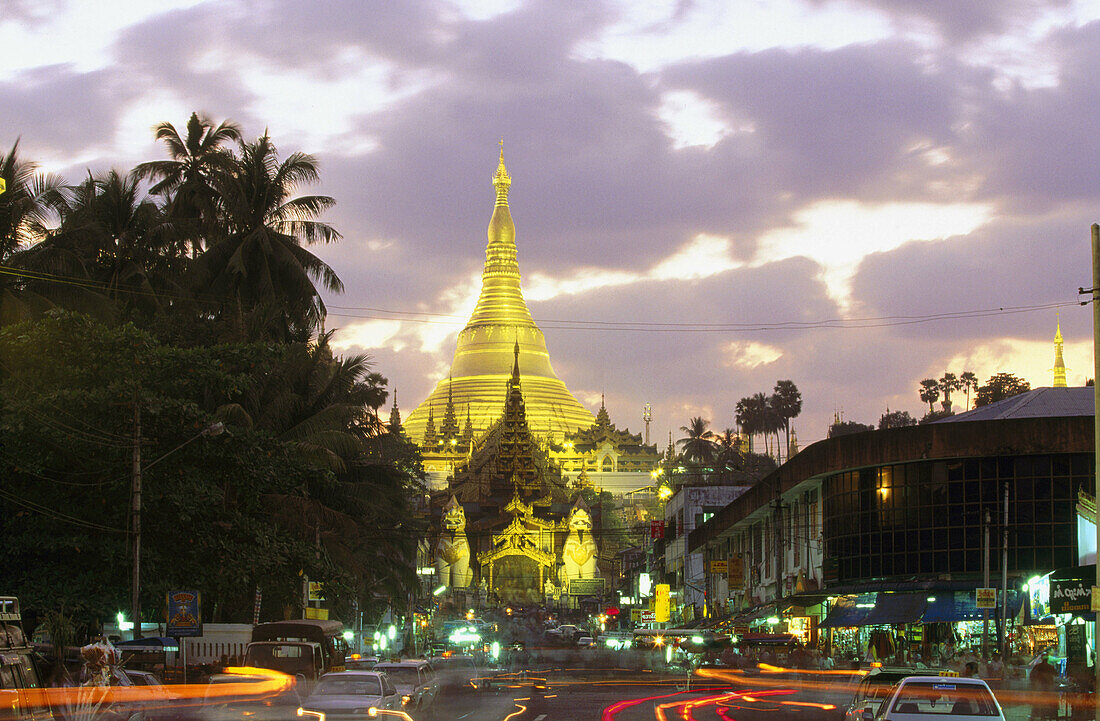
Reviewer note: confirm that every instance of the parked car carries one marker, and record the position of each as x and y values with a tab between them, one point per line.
414	681
946	698
349	695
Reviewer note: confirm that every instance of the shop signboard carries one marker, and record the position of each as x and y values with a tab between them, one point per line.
985	597
184	614
316	591
1075	643
661	603
586	586
736	574
719	567
1038	591
1071	589
648	617
635	615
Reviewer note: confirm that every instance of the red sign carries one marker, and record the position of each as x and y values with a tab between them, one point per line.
656	529
613	611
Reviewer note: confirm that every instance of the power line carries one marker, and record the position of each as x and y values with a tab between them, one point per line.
57	515
425	317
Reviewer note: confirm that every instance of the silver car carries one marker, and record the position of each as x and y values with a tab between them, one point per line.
346	695
414	680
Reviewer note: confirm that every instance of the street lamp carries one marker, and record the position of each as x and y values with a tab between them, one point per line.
213	429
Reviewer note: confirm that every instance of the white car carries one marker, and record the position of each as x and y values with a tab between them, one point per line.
938	698
872	688
352	694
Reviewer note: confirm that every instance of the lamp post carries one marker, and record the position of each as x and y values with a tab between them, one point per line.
135	509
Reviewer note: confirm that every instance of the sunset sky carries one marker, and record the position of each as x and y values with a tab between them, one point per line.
708	196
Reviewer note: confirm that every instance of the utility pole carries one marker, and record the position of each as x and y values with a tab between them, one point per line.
1004	583
1096	428
985	584
135	521
778	544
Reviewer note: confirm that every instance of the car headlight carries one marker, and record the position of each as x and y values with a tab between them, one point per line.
405	699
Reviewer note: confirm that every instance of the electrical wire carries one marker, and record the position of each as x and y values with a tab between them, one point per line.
375	313
57	515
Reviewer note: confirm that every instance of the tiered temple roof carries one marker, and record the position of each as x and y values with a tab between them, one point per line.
508	457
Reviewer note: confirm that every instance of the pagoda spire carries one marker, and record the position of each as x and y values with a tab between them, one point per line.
1059	362
448	429
395	414
429	429
479	374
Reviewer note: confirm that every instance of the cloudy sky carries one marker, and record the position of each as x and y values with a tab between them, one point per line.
708	196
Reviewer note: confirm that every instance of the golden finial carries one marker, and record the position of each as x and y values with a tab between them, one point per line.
501	180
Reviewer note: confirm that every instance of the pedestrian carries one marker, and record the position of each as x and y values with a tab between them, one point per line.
995	670
970	670
1041	683
827	662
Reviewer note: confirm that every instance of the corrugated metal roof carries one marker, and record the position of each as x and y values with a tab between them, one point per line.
1038	403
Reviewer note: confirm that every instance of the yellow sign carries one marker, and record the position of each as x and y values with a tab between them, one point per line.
1096	598
985	598
318	614
635	615
3	186
719	567
661	603
736	574
316	591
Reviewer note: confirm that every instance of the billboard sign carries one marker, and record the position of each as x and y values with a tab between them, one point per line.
586	586
183	613
661	603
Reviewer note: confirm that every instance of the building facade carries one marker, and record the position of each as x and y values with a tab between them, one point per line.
899	516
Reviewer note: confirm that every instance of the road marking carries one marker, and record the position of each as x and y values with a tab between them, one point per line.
464	716
540	717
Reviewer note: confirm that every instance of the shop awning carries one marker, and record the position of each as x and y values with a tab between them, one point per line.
897	608
960	606
849	611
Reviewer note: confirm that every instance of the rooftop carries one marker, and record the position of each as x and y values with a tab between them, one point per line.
1038	403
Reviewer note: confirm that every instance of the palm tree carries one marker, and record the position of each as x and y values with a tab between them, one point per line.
187	178
930	392
745	418
32	200
259	266
321	404
729	457
969	381
115	241
698	447
949	383
787	402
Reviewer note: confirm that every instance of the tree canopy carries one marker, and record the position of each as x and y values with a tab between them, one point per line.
138	315
1000	386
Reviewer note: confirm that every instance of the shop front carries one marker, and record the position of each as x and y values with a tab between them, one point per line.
1059	621
905	627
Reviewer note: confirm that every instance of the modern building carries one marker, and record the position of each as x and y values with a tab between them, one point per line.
891	524
690	506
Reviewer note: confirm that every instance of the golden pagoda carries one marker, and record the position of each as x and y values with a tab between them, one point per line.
1059	363
483	358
